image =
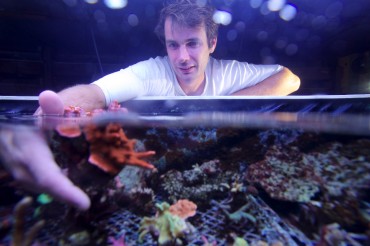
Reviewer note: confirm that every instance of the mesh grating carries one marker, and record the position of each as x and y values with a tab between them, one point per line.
213	225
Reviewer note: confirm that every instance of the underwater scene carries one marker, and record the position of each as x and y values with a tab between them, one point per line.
207	178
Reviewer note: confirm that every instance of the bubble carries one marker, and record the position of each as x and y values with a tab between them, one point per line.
264	10
70	3
232	35
240	26
291	49
334	9
262	35
255	3
91	1
275	5
222	17
99	16
133	20
268	60
281	43
115	4
288	12
319	22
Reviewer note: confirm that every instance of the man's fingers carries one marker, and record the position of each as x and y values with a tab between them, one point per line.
62	189
48	176
50	103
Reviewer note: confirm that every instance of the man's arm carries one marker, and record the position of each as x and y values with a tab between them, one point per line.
88	97
280	84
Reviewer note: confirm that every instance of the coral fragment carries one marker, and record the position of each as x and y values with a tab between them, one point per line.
111	150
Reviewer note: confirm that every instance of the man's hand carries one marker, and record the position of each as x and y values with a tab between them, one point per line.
89	97
28	158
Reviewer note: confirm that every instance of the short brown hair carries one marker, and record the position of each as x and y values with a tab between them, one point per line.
189	13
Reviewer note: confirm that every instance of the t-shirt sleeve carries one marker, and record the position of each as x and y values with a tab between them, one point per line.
146	78
121	86
239	75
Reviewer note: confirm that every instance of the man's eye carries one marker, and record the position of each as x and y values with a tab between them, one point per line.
172	45
193	44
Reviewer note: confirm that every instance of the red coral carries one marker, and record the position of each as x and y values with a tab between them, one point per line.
110	149
183	208
73	111
116	107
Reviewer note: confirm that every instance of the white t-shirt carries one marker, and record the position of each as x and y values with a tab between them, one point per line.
155	77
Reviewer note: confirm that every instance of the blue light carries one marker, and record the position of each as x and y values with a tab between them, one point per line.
115	4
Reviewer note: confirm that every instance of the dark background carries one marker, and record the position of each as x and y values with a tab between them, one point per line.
52	44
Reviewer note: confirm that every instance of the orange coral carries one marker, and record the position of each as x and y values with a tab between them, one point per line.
110	149
183	208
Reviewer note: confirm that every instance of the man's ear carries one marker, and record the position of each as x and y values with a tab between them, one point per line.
213	44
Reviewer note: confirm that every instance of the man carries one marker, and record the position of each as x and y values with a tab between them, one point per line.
190	36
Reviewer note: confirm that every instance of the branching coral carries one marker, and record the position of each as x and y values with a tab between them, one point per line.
110	149
170	229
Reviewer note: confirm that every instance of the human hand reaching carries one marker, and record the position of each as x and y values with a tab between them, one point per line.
26	155
50	103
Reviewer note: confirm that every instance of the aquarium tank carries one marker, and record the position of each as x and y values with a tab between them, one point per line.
193	170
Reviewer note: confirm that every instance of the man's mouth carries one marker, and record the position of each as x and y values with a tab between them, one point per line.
186	69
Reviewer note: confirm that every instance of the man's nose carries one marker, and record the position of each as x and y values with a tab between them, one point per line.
184	54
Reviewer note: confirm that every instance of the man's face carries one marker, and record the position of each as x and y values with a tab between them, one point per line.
188	51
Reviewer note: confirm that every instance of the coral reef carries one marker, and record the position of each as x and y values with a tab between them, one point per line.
251	187
200	184
141	199
289	174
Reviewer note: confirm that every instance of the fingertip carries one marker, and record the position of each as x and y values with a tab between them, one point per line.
83	202
50	102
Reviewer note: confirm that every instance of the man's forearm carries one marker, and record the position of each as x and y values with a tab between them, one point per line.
280	84
88	97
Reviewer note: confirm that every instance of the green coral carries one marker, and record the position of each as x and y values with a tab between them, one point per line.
169	228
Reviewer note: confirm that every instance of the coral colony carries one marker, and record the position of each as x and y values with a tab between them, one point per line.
152	185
